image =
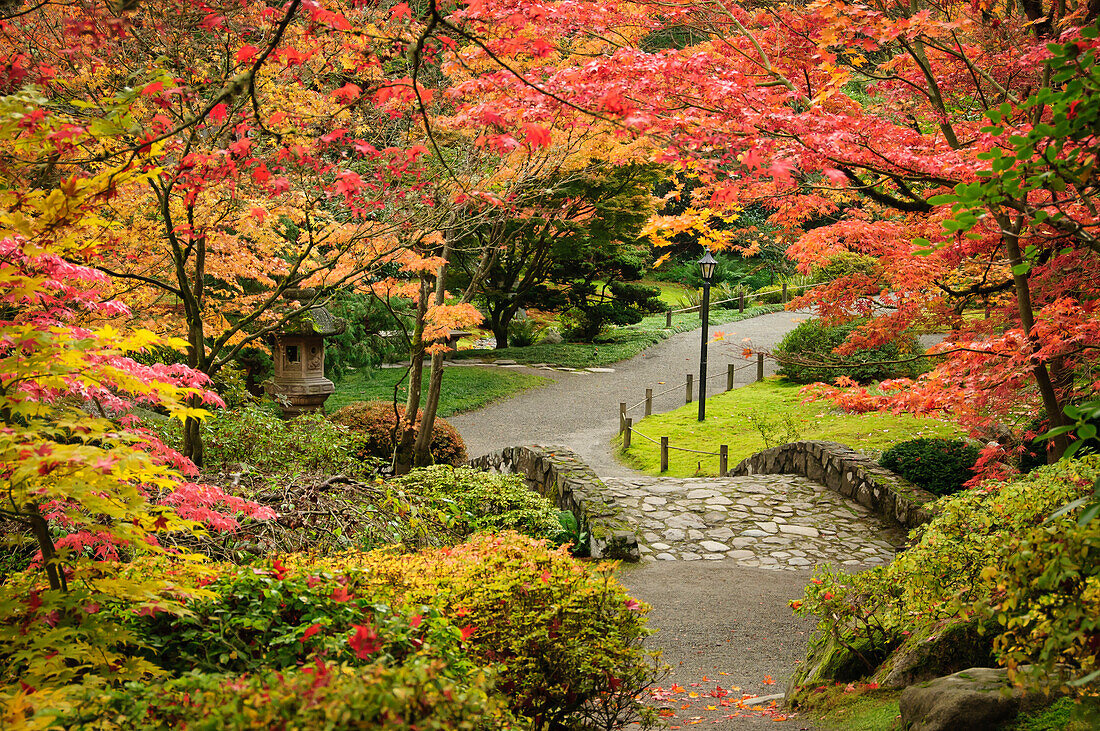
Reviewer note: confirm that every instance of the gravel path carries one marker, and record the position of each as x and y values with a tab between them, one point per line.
723	624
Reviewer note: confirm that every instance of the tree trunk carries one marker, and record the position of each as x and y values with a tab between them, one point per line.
41	530
422	455
406	427
1051	403
499	320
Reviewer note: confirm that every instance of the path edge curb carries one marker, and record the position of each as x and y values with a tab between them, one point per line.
560	475
851	473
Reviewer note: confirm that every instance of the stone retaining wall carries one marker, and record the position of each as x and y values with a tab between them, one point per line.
558	474
850	473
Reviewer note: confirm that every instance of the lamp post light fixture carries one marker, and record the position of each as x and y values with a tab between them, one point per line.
706	268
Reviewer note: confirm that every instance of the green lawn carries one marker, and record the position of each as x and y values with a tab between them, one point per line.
672	293
464	389
616	344
774	405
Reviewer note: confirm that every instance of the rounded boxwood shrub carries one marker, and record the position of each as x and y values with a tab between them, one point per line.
806	355
376	420
847	263
938	465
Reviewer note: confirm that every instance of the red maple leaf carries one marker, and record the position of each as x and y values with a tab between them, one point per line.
365	641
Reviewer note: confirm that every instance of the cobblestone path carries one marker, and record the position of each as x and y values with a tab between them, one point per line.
766	521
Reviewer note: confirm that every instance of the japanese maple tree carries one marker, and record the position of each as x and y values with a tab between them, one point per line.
858	126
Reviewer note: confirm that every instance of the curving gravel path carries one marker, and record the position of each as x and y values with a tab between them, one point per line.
723	624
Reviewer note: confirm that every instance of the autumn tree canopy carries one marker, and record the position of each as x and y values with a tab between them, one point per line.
860	127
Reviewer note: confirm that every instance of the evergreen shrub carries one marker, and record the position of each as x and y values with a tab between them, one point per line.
940	466
561	639
806	355
482	501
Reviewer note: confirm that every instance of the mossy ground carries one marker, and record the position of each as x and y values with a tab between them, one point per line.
773	403
854	708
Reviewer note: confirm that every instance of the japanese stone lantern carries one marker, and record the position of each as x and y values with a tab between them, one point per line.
299	385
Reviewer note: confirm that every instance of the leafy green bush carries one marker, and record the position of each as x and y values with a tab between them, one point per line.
375	422
767	295
522	333
845	264
940	576
482	501
806	355
257	437
938	465
419	694
562	638
1046	596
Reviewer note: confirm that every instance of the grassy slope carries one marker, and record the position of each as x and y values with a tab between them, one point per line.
464	389
615	345
728	422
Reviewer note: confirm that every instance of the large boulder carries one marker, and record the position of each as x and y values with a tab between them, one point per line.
977	698
935	650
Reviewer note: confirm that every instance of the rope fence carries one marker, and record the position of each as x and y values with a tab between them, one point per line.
628	431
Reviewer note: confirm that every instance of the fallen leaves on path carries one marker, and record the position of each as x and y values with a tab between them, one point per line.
672	703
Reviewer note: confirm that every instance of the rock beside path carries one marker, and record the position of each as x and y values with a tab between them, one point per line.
978	698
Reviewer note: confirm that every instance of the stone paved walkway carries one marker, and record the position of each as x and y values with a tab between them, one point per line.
766	521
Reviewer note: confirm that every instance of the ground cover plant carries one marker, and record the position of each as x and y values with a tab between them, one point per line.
761	415
463	389
991	565
500	625
616	343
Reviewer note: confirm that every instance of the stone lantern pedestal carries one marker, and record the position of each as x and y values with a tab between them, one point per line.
299	385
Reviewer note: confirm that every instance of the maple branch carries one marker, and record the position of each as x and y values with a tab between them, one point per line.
975	290
765	61
444	23
915	205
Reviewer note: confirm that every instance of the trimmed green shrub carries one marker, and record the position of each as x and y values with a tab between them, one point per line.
482	501
940	466
806	355
416	695
375	421
846	263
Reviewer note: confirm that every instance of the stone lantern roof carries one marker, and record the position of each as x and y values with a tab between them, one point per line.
316	320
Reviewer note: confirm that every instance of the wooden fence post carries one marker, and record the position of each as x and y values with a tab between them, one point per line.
648	401
622	416
687	392
723	460
668	319
784	293
760	366
730	371
626	434
664	454
741	297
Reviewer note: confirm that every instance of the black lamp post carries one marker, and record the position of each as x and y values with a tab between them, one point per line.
706	267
